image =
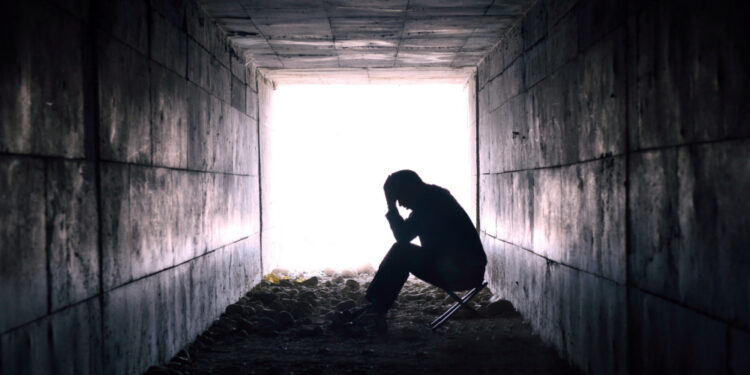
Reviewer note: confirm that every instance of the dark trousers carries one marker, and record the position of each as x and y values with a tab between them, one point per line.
435	267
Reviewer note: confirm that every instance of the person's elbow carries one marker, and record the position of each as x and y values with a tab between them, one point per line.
403	237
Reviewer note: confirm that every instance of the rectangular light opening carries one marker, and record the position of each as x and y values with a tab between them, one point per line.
328	148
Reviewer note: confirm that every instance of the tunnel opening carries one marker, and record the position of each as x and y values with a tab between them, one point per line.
328	142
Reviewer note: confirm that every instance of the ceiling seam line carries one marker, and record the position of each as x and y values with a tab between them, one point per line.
470	36
401	36
250	17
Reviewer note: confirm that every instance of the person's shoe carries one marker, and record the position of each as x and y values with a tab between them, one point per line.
356	312
371	319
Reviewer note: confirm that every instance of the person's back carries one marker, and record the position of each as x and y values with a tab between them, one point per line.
445	227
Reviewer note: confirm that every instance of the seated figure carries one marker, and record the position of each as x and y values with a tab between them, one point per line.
451	256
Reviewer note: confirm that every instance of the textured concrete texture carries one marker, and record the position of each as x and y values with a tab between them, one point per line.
129	191
67	342
578	312
42	81
124	106
364	34
688	231
155	218
613	164
23	257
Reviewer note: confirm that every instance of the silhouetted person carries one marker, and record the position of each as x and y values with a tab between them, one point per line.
451	256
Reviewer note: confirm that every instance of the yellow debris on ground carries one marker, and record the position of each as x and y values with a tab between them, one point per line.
271	278
274	278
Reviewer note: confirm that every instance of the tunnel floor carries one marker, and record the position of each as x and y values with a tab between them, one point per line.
286	326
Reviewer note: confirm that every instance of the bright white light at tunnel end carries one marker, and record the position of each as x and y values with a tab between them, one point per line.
331	149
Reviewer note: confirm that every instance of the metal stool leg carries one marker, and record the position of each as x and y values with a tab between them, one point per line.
460	302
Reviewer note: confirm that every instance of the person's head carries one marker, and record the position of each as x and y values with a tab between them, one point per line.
404	186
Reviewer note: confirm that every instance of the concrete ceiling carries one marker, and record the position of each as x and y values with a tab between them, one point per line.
315	34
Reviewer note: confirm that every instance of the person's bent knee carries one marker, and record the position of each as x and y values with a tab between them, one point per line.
403	247
401	251
397	246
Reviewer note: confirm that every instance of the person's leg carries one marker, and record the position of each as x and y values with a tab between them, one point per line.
446	272
392	274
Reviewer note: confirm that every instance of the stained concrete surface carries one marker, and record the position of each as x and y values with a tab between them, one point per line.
365	34
612	140
286	327
128	186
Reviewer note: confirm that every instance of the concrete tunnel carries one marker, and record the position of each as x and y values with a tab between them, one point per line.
610	147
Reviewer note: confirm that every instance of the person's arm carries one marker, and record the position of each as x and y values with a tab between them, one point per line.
403	230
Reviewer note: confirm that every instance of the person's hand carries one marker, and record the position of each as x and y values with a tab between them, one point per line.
389	199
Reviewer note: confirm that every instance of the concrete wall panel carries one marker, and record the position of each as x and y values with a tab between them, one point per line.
670	339
117	236
504	205
198	24
168	44
126	20
169	118
601	104
42	90
221	134
172	10
23	259
597	18
548	236
740	346
633	174
198	63
592	217
483	69
578	312
79	8
68	342
521	210
534	24
238	67
512	46
562	40
682	61
164	168
239	90
547	120
200	140
76	341
242	127
251	76
251	103
130	316
220	80
172	311
585	229
220	46
124	106
487	202
515	137
507	85
689	232
73	230
24	350
536	63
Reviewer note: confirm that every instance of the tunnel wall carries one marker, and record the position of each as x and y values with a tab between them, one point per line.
128	183
613	151
270	223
